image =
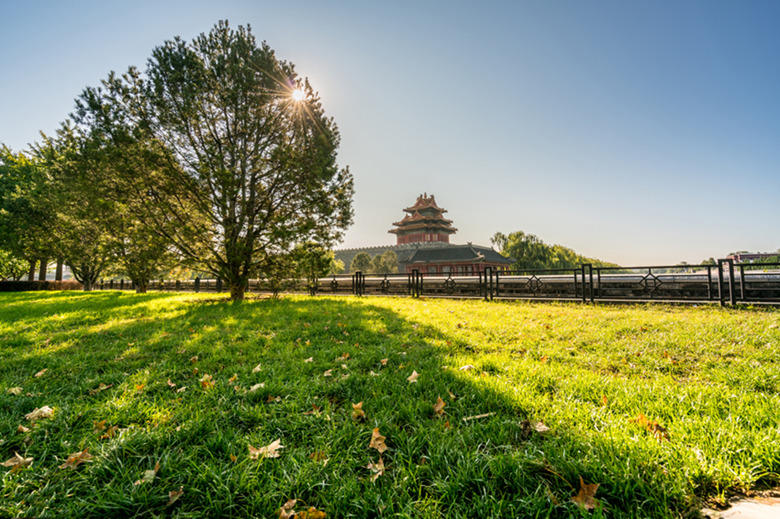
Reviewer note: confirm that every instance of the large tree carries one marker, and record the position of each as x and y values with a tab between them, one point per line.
251	157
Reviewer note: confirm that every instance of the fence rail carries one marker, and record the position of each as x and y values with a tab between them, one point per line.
723	283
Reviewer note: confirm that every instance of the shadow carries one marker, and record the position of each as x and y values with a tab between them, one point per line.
291	369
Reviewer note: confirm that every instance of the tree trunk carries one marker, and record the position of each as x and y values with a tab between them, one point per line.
31	276
87	284
58	273
140	286
42	271
237	291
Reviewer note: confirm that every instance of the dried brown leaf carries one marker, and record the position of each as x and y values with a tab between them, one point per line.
269	451
76	459
377	441
287	509
585	498
438	407
174	495
101	387
413	377
377	469
41	372
16	391
357	411
17	463
37	414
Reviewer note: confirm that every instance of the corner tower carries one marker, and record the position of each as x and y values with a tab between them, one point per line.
424	223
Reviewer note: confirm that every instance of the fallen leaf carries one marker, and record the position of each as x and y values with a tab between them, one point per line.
328	373
174	495
22	429
41	372
373	374
139	387
256	387
377	469
171	384
101	387
319	456
273	399
269	451
541	428
206	381
181	389
377	441
315	409
17	463
311	513
310	359
194	359
476	417
344	356
413	377
233	379
256	368
16	391
585	497
452	395
543	359
76	459
357	411
438	407
37	414
467	367
660	432
233	458
384	362
287	509
149	475
604	401
110	433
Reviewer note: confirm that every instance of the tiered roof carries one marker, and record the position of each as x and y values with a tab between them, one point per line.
424	217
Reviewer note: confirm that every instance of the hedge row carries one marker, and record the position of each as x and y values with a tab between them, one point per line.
24	286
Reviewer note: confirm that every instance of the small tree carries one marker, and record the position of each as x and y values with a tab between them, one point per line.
360	263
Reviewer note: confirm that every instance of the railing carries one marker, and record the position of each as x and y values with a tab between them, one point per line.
723	283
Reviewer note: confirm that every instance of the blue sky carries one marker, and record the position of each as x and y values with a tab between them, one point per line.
632	132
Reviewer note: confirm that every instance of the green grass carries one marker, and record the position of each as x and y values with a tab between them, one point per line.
709	376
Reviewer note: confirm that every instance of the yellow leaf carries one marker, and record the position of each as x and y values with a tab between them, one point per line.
256	369
311	513
37	414
384	362
466	367
16	391
171	384
328	373
344	356
233	458
413	377
41	372
377	441
233	379
149	475
22	429
194	359
357	411
310	359
110	433
438	407
17	463
206	381
269	451
76	459
585	498
174	495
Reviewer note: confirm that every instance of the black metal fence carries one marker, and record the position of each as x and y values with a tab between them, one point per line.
723	283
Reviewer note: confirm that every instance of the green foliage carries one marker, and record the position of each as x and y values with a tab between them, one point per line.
531	253
708	376
12	267
360	263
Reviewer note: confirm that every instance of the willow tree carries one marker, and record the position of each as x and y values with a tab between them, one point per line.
251	155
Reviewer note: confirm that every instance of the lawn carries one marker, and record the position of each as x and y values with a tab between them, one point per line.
173	405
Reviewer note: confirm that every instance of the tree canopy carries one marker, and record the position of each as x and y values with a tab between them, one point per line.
530	253
228	166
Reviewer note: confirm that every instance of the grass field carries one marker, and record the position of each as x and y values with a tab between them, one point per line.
663	407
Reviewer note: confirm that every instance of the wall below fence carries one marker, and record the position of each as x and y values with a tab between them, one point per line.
723	283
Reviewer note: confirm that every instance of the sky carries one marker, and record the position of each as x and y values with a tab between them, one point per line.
633	132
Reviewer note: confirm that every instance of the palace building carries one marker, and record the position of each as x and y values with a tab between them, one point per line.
423	243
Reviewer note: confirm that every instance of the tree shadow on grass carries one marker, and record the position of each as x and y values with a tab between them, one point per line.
291	370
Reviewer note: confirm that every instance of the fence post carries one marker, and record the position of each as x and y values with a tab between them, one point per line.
721	284
197	284
219	285
497	281
122	284
178	285
732	282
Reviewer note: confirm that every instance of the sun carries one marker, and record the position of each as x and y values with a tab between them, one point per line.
298	94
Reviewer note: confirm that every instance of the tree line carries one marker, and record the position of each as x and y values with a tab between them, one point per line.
218	157
531	253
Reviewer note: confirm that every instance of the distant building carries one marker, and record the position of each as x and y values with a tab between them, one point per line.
423	243
750	257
